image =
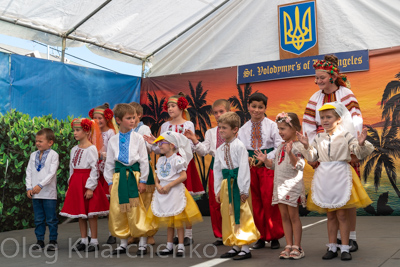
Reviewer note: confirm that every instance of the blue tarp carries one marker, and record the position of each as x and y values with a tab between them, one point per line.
41	87
4	83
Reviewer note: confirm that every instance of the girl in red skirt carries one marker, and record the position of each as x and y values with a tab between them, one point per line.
104	116
176	108
84	199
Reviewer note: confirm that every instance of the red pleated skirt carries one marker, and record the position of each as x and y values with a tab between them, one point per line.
75	203
193	182
103	183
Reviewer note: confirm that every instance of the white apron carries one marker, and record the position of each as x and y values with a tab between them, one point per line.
332	184
171	204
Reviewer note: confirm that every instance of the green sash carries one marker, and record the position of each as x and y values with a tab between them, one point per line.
127	188
233	193
251	152
211	164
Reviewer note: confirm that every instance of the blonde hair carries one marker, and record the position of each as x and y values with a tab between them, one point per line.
138	108
230	118
120	110
222	102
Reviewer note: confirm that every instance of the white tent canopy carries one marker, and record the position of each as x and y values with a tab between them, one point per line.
178	36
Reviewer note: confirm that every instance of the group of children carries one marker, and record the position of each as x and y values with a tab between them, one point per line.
255	178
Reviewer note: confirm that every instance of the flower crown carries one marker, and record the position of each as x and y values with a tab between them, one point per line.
283	117
326	66
107	113
85	124
181	102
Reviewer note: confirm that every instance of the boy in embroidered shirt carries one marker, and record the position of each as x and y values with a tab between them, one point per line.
210	145
41	186
262	133
127	159
232	188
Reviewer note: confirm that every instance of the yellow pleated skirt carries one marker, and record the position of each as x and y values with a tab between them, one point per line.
189	216
358	199
131	223
244	233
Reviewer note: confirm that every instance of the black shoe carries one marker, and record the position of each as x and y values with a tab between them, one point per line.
330	255
229	255
187	241
176	241
111	240
259	244
242	257
275	244
180	253
79	247
218	243
338	241
92	247
167	252
346	256
38	246
119	250
141	252
52	246
88	238
353	245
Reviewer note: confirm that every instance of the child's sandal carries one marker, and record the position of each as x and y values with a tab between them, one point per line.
285	253
296	253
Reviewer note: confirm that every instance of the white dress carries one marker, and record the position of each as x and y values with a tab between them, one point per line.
173	203
288	180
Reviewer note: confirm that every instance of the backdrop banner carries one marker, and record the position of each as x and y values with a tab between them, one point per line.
376	91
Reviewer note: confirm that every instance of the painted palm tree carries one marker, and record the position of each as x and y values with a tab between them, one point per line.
241	102
199	113
387	149
153	113
391	100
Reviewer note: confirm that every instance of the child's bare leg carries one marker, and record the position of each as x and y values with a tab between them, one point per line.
332	226
170	234
296	224
83	227
93	226
287	226
181	232
344	225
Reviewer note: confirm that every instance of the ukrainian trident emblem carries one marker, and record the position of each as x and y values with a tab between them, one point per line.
297	27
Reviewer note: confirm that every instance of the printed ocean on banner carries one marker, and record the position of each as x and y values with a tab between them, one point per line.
297	27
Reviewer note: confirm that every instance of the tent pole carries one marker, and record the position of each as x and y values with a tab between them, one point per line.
143	67
64	42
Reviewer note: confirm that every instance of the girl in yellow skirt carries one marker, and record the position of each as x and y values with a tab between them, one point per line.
172	205
335	187
232	188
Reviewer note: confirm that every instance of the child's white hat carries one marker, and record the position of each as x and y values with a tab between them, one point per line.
343	112
180	142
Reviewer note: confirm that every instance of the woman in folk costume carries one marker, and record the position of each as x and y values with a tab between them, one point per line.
333	86
85	199
104	116
336	187
176	107
172	205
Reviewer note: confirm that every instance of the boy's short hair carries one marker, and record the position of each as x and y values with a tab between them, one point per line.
120	110
258	97
138	108
230	118
48	133
222	102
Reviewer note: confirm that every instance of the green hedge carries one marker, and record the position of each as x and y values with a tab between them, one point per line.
17	142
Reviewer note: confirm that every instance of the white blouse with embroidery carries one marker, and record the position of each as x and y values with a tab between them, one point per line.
85	158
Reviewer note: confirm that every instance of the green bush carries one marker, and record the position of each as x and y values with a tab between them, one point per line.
17	142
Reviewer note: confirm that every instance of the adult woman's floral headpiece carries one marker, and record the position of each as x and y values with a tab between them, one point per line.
85	124
283	117
107	113
331	68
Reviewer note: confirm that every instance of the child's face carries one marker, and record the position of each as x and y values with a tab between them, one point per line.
138	118
227	132
127	123
100	120
165	147
42	143
80	134
285	131
257	110
174	111
218	111
329	120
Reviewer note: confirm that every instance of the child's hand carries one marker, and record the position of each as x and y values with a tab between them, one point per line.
243	197
260	155
289	147
303	139
109	189
149	139
251	161
36	190
166	189
88	194
362	137
313	164
190	135
218	197
29	193
142	188
259	164
159	188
